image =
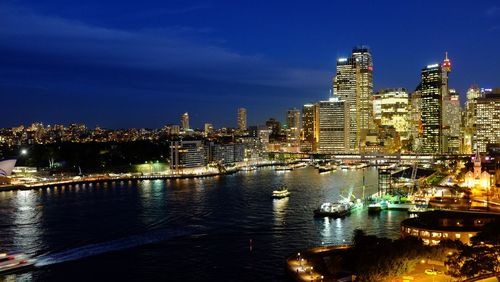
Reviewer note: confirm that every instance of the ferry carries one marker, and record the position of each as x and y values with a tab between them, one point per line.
282	192
334	210
11	263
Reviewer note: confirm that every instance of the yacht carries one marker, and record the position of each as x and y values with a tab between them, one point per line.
11	263
282	192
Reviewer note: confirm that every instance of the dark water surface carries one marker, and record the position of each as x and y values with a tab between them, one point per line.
222	228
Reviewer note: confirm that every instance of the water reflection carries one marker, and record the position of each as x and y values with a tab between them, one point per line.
27	221
279	211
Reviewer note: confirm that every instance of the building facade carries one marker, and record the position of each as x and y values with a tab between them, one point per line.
333	126
242	119
488	120
353	83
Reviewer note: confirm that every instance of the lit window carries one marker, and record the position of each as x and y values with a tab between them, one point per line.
457	235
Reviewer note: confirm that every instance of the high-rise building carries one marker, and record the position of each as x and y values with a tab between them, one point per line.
434	83
488	120
453	122
185	121
353	83
344	87
242	119
394	110
364	89
469	119
293	127
333	126
309	127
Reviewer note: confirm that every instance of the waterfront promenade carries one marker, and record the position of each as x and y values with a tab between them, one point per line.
99	178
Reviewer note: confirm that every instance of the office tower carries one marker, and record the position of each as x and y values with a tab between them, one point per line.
434	90
293	127
333	126
353	83
394	110
242	119
364	89
488	120
452	128
309	127
345	89
185	121
473	93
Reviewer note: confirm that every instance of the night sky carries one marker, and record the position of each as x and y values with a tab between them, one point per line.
143	63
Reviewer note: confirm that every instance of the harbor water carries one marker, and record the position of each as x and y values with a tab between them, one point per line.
218	228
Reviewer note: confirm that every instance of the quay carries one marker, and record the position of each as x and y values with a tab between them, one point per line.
108	178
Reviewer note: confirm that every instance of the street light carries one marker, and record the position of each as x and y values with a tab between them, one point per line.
24	152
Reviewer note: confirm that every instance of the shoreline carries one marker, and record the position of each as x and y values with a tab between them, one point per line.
107	178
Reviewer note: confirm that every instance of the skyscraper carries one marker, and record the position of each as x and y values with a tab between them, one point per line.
242	119
364	89
309	127
293	126
344	88
185	121
353	83
434	89
333	126
488	120
452	127
473	93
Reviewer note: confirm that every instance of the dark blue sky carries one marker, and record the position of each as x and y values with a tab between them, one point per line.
143	63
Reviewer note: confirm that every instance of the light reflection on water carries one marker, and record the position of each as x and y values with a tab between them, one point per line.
225	212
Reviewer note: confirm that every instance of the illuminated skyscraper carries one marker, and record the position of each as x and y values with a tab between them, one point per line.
333	126
353	83
242	119
431	108
473	93
488	120
185	121
293	126
452	127
364	89
434	89
309	127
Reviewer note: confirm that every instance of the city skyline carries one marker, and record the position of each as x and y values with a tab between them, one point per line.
123	69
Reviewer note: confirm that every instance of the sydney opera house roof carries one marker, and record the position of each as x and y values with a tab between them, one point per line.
6	167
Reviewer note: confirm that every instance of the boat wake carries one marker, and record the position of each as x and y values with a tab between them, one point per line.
112	246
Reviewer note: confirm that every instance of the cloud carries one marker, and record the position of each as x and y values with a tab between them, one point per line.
161	50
